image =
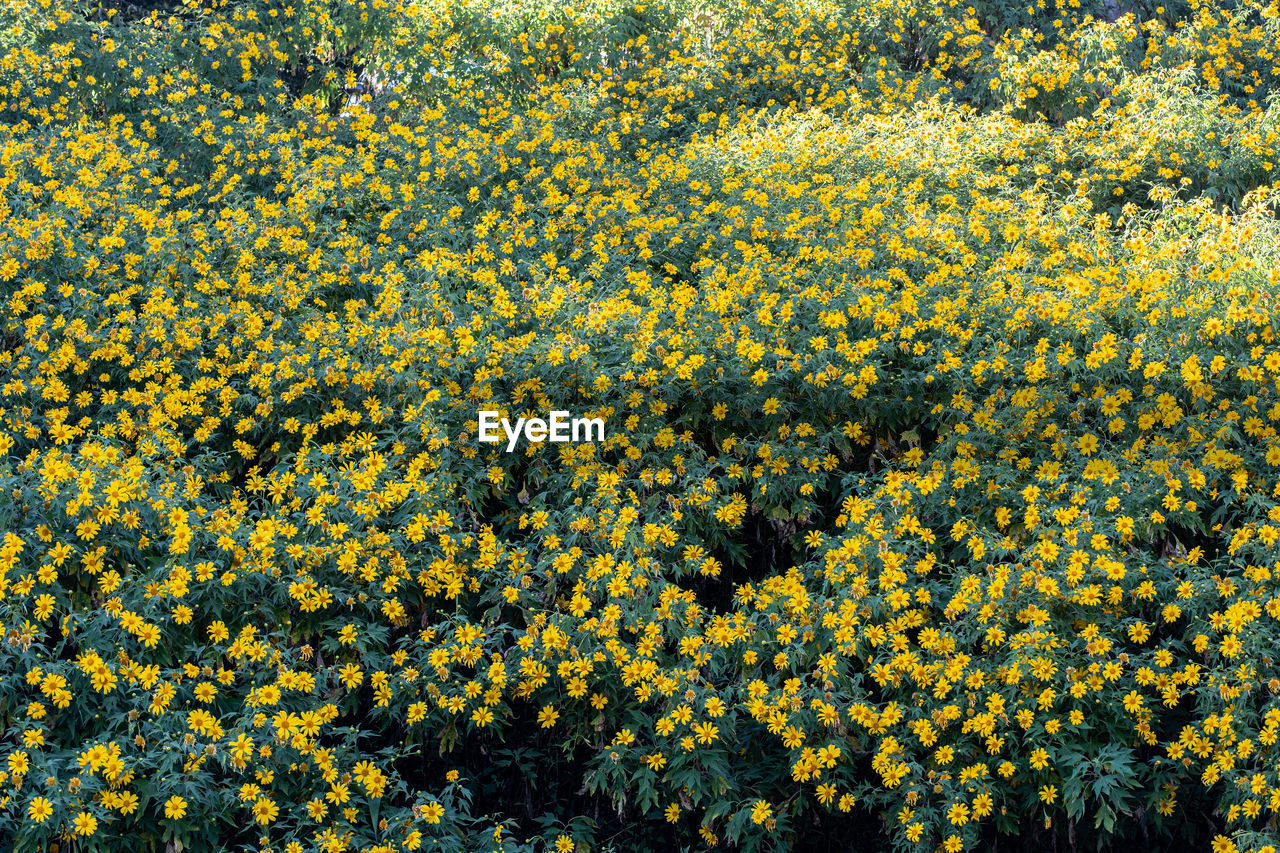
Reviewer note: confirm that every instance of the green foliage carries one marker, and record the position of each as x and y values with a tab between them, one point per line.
936	349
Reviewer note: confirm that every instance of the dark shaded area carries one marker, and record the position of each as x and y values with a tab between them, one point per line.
532	777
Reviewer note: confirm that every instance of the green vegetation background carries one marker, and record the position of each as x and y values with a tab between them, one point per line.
936	343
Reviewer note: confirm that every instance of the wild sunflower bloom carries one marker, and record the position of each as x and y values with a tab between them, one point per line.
40	809
84	824
175	807
264	810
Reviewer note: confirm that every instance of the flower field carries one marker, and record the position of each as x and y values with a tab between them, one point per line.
938	505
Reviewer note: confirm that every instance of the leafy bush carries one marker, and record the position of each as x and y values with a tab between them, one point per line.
938	501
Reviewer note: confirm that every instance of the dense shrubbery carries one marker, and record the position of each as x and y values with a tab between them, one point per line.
937	349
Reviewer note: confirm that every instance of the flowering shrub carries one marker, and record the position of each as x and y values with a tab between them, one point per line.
940	493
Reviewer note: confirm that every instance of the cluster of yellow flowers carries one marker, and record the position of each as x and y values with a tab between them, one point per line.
939	363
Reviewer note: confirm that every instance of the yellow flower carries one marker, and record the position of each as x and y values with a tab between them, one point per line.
85	823
40	809
1223	844
175	807
264	810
